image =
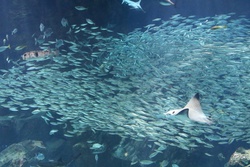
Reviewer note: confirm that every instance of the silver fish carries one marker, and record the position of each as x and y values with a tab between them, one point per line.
80	8
134	5
59	43
48	32
64	22
3	48
14	31
41	27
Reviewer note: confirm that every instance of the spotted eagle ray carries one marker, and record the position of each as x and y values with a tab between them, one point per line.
194	111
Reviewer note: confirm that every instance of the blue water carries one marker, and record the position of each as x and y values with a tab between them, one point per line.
125	60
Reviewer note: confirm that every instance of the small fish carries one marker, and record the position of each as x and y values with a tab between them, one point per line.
39	156
7	37
89	21
64	22
36	111
94	28
80	8
169	1
53	131
146	162
209	155
194	110
230	140
20	47
154	154
68	135
165	3
134	5
84	24
41	27
3	48
8	59
59	43
48	32
156	19
40	39
218	27
4	41
77	31
96	146
14	31
68	32
164	163
96	157
45	119
221	157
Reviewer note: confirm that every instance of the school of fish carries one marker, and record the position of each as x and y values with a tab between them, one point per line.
124	84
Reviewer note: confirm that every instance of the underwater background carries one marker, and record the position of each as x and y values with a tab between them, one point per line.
88	83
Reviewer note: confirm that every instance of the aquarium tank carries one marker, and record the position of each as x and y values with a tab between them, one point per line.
125	83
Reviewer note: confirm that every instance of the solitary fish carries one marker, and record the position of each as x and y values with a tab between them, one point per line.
41	27
14	31
80	8
20	47
3	48
218	27
134	5
64	22
194	110
39	54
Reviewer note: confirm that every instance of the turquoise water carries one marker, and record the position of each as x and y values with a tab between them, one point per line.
98	97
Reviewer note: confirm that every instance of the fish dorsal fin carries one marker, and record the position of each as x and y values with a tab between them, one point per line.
194	103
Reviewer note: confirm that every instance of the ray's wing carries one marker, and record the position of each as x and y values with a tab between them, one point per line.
194	104
195	112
